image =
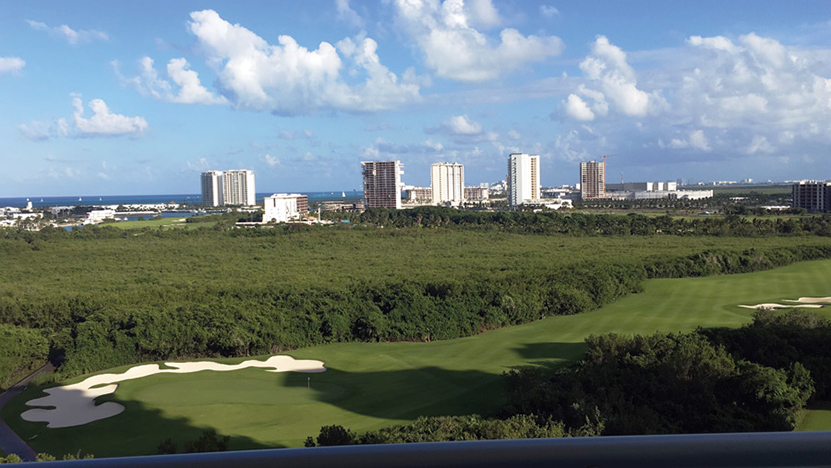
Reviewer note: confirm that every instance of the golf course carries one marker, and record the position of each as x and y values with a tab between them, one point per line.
367	386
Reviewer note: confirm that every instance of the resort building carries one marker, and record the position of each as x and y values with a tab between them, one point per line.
382	184
523	179
235	187
447	181
282	207
476	193
238	188
592	180
813	195
212	188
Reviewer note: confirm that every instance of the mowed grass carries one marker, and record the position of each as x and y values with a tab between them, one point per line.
163	222
368	386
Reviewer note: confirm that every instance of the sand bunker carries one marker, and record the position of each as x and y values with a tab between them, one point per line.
772	305
803	303
74	405
809	300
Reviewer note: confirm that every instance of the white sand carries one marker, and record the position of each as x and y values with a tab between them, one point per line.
809	300
74	405
771	305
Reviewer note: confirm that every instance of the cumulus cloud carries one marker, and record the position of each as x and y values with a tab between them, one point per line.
611	80
348	15
577	109
271	160
103	122
287	78
453	48
750	100
11	64
68	34
549	11
461	130
189	89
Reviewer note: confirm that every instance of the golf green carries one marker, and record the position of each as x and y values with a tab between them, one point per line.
368	386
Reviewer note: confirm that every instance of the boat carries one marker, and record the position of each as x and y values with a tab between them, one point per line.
343	194
79	199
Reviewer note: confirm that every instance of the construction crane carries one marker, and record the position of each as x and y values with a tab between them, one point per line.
604	166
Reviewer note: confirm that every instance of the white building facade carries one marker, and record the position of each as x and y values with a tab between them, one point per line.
281	207
235	187
447	181
523	179
212	188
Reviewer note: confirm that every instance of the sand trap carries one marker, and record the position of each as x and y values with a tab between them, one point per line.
809	300
74	405
771	305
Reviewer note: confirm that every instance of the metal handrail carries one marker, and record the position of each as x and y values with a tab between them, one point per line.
772	449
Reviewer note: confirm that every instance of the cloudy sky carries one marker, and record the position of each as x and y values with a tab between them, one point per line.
118	98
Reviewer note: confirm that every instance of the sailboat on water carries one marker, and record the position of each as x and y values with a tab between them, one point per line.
343	194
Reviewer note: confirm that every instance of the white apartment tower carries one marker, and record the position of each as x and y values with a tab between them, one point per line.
592	180
447	181
382	184
221	188
212	188
523	178
239	188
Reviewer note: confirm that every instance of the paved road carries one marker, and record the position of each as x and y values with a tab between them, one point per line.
9	440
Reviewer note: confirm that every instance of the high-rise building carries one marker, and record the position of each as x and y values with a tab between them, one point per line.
238	188
523	179
382	184
221	188
448	183
592	180
212	188
814	196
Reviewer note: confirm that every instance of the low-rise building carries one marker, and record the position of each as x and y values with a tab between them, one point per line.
282	207
476	193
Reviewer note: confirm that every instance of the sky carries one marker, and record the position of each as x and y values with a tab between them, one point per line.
121	98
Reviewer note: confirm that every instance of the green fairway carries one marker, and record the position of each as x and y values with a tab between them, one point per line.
165	222
816	418
369	386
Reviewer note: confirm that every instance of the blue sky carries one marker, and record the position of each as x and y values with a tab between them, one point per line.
116	98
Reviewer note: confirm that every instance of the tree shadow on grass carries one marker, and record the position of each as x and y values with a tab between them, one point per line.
405	394
551	355
136	431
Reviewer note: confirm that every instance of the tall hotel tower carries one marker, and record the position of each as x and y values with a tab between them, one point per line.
382	184
212	188
447	181
523	178
239	188
228	188
592	180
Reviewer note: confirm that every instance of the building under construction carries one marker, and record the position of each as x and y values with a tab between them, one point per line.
382	184
592	180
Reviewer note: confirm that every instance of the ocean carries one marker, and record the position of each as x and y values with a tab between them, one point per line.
182	199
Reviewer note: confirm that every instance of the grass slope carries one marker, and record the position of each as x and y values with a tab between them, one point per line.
369	386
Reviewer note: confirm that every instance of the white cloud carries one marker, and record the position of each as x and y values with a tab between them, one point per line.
103	122
460	125
577	109
11	64
482	13
514	135
271	160
68	34
747	100
760	144
348	15
190	89
287	78
454	49
549	11
610	79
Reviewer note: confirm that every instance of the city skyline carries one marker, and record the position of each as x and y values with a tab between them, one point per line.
112	99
